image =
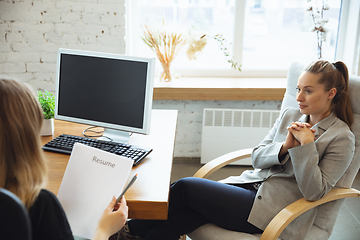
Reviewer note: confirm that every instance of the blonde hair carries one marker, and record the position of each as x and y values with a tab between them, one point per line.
335	75
22	164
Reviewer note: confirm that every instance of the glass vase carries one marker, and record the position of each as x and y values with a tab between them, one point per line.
165	75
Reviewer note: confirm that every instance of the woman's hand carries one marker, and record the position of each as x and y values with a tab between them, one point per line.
112	220
298	134
302	132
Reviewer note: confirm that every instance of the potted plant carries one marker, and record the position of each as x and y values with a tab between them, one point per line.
47	102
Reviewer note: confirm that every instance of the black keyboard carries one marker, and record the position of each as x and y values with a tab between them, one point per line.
65	143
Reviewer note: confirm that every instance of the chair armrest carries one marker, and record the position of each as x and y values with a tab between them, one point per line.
219	162
288	214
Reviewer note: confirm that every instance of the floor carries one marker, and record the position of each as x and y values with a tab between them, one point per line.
347	226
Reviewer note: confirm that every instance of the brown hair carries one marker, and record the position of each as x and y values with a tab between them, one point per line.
335	75
22	165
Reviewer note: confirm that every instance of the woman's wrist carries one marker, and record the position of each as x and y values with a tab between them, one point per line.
100	234
282	152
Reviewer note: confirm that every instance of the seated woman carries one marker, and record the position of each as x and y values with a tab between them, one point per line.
23	168
303	156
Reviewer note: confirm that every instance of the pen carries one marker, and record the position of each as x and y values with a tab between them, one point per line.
126	188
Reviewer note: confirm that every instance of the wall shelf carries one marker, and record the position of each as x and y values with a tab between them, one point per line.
266	89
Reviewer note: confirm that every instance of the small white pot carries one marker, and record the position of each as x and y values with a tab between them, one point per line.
47	128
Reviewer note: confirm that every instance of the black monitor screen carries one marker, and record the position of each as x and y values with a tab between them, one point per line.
102	89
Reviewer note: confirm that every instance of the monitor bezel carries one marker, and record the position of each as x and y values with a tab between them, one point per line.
145	129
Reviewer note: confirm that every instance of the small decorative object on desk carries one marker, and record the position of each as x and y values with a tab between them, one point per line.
47	102
316	10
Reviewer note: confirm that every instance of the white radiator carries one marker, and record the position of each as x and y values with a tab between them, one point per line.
227	130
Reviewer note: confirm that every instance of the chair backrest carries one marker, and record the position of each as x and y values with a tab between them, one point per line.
14	219
327	213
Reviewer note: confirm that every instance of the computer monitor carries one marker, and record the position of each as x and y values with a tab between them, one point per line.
106	90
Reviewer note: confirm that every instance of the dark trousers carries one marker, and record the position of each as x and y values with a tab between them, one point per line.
196	201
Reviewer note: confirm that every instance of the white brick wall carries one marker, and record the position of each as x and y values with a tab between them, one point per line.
32	31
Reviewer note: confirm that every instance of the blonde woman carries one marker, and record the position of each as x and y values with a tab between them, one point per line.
23	169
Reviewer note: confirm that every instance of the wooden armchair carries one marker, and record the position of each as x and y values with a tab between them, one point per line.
328	206
281	220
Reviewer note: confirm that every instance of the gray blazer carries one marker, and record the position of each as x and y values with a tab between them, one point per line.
308	171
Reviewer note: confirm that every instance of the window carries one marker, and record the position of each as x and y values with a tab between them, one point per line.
277	32
264	36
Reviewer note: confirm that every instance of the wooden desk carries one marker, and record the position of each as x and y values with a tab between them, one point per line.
148	197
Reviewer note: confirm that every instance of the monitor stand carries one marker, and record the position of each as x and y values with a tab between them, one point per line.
115	135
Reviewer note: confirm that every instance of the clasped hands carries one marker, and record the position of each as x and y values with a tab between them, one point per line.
299	134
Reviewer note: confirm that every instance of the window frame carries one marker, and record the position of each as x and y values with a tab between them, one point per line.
348	44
